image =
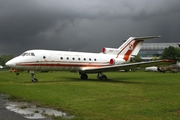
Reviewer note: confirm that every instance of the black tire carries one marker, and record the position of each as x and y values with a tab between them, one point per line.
104	77
34	80
84	76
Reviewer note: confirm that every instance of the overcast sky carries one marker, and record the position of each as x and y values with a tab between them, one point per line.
84	25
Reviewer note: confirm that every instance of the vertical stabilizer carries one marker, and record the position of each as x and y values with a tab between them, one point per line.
132	46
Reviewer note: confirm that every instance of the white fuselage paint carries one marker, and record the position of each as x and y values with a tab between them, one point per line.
51	60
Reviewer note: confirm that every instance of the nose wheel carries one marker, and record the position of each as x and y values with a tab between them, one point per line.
32	77
34	80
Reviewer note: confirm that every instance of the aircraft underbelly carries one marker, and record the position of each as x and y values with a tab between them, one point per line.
48	68
58	65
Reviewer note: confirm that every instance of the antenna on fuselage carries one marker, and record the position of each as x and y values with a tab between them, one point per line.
70	49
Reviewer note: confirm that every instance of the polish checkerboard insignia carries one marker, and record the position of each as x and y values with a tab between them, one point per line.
130	46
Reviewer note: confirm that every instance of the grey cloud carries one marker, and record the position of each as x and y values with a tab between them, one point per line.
85	25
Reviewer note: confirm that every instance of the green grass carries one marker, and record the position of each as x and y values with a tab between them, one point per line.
125	96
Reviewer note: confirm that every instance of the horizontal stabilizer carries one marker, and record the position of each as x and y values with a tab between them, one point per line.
146	37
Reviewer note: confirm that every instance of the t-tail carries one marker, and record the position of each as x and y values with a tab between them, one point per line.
129	48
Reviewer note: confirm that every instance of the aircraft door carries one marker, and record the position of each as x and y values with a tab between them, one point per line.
44	63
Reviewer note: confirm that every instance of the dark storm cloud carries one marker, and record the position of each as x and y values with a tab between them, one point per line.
85	25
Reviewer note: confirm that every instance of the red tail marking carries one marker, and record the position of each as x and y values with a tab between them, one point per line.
123	48
131	48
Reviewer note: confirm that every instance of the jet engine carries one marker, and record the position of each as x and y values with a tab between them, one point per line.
112	51
114	61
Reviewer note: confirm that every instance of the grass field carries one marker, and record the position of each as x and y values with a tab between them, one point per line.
125	96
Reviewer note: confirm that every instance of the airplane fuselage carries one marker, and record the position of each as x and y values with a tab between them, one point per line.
110	59
51	60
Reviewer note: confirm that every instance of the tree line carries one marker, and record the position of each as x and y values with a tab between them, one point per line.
172	53
5	58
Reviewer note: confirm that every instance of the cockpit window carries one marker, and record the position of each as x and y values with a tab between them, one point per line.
27	54
23	54
32	54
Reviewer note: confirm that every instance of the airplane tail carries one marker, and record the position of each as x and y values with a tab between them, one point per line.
130	47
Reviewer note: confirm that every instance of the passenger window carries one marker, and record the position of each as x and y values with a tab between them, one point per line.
79	59
61	58
73	58
84	59
95	59
67	58
89	59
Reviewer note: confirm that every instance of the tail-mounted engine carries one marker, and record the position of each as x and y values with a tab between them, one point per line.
112	51
114	61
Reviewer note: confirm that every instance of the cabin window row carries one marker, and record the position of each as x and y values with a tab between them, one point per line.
67	58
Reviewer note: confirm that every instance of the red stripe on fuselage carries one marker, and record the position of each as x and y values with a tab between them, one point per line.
61	65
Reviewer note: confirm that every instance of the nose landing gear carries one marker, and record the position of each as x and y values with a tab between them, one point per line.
32	77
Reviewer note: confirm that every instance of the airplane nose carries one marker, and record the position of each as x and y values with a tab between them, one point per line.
10	63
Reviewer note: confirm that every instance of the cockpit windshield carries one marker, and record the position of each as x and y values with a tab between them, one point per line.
27	54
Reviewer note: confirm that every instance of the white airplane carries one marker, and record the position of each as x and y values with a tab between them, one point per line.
152	68
110	59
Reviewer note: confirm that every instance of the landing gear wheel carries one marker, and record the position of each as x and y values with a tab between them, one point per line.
32	76
104	77
84	76
101	76
34	80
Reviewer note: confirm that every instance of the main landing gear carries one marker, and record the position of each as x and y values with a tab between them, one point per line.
100	76
83	76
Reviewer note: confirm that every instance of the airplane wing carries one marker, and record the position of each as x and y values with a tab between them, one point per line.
126	66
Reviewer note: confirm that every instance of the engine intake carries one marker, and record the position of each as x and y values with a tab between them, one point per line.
114	61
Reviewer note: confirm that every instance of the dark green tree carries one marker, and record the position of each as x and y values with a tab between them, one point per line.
5	58
136	58
171	53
